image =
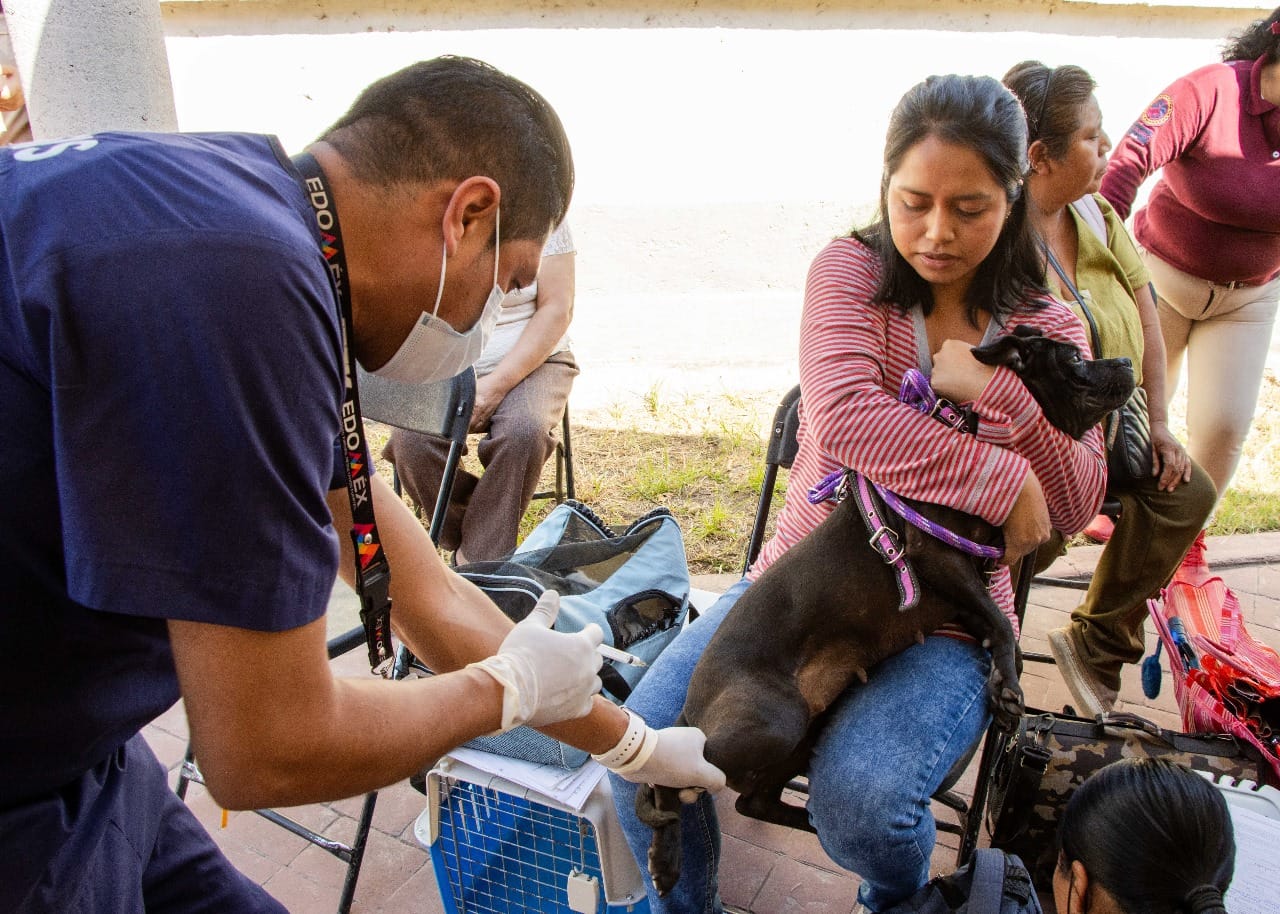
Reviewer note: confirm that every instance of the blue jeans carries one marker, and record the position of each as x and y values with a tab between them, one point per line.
885	751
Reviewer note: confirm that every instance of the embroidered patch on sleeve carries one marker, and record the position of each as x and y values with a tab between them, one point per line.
1158	112
1141	133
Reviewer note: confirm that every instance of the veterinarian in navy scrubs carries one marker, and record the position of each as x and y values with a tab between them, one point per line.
172	392
949	264
1162	516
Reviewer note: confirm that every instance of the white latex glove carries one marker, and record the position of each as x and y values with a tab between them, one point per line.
546	676
667	758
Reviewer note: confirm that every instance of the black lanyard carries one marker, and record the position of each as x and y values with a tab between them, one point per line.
373	574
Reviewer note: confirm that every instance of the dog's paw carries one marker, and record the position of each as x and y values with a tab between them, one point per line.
664	859
1006	705
1005	699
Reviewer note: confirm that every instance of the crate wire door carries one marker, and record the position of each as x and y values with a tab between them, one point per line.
498	848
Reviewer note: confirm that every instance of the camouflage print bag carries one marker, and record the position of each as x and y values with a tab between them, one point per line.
1051	755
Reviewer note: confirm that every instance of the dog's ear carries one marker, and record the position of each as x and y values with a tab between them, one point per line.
1006	351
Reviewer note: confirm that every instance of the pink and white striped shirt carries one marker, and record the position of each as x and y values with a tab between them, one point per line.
853	355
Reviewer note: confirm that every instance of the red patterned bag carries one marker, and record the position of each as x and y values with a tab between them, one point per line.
1225	681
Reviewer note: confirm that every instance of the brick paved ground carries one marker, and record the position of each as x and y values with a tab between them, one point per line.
766	869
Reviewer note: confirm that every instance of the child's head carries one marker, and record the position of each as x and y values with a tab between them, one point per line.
1151	834
952	213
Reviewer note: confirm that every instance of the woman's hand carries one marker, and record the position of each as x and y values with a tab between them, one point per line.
1027	526
957	375
1170	460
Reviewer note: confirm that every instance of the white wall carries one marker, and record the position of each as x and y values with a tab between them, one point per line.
717	147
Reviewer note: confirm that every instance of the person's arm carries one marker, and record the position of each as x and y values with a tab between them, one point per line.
553	310
1072	474
1163	132
1170	459
271	726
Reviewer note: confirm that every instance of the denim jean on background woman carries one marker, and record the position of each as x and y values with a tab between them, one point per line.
885	750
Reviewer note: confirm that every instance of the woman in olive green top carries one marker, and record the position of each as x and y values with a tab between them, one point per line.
1085	239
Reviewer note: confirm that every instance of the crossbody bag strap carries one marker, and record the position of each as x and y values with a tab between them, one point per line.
1088	315
1109	430
373	573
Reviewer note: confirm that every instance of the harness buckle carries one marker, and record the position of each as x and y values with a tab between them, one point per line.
948	413
891	552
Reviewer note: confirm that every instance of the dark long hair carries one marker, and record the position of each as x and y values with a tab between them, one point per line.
1154	834
454	117
1052	99
1254	41
977	113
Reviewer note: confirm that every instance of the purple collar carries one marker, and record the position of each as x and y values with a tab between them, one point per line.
915	391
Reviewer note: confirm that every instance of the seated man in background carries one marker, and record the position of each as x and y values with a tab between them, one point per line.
523	380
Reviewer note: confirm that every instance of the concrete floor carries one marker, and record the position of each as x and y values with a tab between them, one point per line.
765	869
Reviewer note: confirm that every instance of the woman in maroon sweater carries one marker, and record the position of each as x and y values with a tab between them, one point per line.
1211	232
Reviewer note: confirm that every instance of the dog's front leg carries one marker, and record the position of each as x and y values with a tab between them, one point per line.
659	808
763	799
984	620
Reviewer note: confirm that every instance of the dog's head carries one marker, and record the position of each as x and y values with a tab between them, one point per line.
1074	393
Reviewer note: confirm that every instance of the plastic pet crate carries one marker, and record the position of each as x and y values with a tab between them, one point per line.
499	848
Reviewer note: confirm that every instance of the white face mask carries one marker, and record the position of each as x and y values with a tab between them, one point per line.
433	350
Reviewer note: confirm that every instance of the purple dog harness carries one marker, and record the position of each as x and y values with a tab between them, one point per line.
916	392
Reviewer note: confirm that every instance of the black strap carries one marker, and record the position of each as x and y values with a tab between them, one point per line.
1112	423
1088	315
987	886
373	574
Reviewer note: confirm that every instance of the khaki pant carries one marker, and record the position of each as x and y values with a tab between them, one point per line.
485	511
1151	537
1225	334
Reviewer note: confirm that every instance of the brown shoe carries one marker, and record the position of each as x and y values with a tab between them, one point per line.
1091	696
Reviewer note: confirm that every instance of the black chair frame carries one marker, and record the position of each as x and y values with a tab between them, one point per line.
564	464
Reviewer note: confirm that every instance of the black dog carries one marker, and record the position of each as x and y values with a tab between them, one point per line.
828	611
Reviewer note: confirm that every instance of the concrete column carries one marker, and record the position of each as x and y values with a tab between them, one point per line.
92	65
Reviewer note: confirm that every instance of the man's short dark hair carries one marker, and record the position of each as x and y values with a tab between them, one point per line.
454	117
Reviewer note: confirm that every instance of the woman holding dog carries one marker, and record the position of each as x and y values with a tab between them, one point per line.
1083	238
951	262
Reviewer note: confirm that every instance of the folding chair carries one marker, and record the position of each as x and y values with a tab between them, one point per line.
564	464
437	408
780	454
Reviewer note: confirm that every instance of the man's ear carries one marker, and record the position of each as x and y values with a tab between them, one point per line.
472	207
1005	351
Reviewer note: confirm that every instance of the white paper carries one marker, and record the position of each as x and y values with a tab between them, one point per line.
1255	888
568	786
